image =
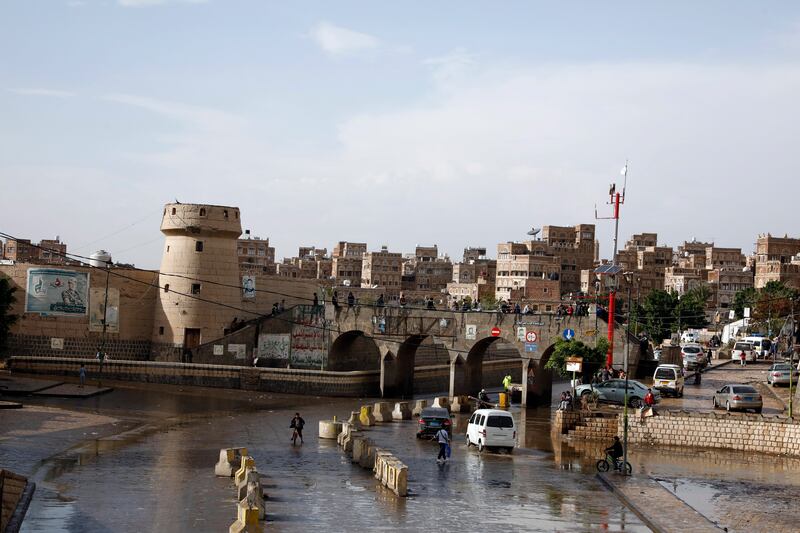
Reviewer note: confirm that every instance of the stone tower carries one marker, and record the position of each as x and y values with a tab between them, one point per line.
200	244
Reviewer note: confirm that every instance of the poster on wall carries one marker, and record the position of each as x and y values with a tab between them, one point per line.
308	339
53	291
273	346
239	351
97	299
248	287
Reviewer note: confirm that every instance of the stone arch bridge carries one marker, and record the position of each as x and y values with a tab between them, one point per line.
357	338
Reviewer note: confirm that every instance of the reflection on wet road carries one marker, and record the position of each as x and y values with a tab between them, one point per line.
163	478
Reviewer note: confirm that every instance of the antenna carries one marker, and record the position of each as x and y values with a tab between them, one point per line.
534	231
624	173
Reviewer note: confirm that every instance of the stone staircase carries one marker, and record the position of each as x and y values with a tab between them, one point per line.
596	428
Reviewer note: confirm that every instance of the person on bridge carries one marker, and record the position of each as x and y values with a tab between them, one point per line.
381	301
297	425
507	382
335	300
443	438
351	299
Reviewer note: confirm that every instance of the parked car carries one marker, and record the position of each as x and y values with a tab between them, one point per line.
693	356
613	391
735	396
431	420
779	373
491	428
747	348
668	379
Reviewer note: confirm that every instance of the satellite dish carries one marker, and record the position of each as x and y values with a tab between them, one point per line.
534	231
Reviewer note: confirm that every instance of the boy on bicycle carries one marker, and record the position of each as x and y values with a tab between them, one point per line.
615	452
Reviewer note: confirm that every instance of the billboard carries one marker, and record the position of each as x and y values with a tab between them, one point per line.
97	299
53	291
248	287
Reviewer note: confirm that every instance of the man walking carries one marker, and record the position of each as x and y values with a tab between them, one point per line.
297	425
443	438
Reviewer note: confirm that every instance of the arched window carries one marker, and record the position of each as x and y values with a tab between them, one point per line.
166	287
202	211
174	210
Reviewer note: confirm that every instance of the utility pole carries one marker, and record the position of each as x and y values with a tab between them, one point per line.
791	361
102	350
627	373
617	199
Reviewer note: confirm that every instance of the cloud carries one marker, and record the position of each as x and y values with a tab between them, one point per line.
26	91
336	40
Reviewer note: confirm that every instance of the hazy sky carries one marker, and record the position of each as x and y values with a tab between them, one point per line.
457	123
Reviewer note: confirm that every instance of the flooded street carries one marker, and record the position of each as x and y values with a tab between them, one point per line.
148	463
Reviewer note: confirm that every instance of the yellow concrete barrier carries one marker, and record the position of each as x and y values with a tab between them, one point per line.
503	402
366	418
246	521
247	463
229	461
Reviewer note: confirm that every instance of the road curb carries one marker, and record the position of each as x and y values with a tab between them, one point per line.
629	504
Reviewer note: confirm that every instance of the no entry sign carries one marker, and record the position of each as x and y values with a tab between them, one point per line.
531	336
495	332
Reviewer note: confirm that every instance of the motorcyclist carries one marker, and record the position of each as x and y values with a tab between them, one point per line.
483	397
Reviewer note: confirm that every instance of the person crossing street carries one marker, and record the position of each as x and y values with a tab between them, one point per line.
443	438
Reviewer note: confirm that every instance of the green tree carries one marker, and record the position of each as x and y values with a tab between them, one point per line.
744	298
657	313
573	348
7	299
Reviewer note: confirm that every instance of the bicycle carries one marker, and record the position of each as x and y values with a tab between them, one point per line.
603	465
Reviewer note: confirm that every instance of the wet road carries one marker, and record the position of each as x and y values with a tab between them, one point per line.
163	479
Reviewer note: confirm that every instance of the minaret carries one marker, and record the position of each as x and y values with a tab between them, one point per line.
200	244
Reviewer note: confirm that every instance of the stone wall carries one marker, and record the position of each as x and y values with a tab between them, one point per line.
16	496
733	431
38	345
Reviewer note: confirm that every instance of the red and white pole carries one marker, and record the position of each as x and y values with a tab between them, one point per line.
612	293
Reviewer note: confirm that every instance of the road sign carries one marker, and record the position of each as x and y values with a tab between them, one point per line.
569	334
531	346
574	364
747	312
531	336
495	332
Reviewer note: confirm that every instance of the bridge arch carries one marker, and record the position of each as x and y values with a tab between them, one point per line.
397	368
467	369
353	350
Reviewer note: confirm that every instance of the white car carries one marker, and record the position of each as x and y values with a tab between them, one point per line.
690	337
747	348
491	428
693	356
668	379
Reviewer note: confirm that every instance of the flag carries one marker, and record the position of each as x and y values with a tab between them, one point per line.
624	170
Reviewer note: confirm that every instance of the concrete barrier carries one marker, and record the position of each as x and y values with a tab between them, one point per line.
329	429
347	442
504	400
368	456
365	417
246	521
402	411
247	463
418	407
229	461
251	476
354	419
442	401
346	427
391	472
360	447
382	412
460	404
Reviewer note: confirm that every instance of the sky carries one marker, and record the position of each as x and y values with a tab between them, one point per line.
456	123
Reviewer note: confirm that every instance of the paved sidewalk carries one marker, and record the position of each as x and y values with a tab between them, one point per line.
662	511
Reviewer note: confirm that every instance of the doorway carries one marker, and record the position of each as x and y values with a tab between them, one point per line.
191	338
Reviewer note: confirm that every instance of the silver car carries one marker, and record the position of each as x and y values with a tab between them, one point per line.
778	374
613	391
736	396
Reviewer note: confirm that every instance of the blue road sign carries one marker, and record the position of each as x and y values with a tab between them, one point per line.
531	346
569	334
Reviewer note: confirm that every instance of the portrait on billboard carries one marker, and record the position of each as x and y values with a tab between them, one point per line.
52	291
248	287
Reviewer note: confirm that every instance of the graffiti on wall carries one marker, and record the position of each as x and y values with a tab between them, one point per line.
274	346
308	338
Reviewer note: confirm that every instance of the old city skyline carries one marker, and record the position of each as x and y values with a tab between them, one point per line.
389	135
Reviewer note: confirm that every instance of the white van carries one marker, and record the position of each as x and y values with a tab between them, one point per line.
690	337
491	428
761	345
668	379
